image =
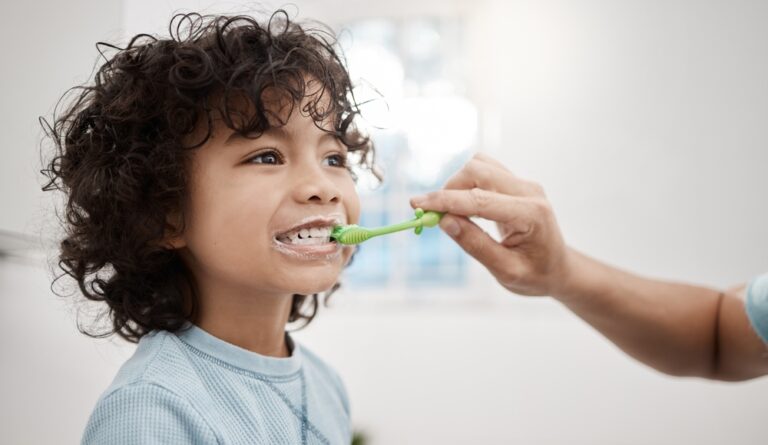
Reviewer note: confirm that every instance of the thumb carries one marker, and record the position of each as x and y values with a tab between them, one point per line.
451	225
475	241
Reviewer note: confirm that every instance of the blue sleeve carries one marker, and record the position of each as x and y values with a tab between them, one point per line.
757	305
146	414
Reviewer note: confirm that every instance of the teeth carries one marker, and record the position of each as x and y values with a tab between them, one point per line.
314	235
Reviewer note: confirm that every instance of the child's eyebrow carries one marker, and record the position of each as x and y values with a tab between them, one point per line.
279	133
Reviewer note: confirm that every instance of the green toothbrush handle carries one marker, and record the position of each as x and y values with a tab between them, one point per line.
423	219
428	219
355	234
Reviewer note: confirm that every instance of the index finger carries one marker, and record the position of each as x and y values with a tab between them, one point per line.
480	174
478	202
491	160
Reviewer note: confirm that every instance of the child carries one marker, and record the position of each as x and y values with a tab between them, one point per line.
203	174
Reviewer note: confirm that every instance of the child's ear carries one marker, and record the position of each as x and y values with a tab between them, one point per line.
173	237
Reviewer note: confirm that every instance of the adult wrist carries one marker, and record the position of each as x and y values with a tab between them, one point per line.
579	280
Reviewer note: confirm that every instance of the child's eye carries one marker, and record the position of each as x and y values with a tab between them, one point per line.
336	160
268	157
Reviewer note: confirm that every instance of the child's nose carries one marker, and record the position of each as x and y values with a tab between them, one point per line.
312	187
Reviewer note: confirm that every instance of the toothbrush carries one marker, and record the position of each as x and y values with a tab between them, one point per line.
354	234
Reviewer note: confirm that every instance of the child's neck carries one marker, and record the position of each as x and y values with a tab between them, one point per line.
256	324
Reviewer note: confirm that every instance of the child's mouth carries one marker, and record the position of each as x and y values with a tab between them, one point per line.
310	240
307	236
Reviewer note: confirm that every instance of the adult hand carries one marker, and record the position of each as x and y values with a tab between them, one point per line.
679	329
531	257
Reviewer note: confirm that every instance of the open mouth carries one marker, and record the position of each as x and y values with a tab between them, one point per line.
307	236
310	238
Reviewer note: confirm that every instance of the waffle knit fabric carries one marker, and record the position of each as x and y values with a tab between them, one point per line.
190	387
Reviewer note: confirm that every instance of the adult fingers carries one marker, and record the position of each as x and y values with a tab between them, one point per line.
490	160
479	173
521	212
499	260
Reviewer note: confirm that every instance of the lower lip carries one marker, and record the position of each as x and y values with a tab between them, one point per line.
314	252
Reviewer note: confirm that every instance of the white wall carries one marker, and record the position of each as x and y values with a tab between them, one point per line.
50	375
645	122
47	47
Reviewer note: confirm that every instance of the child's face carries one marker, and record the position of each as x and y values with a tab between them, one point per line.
249	201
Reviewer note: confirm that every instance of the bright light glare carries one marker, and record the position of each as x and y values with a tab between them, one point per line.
437	123
438	128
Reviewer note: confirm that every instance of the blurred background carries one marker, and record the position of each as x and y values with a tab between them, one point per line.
645	120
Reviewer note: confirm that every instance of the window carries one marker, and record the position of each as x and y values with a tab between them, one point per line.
409	77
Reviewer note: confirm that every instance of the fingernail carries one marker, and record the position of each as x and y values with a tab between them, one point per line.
450	226
417	200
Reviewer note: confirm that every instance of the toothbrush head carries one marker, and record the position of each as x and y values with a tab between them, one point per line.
351	234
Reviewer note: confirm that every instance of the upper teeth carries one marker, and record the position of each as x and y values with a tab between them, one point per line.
313	235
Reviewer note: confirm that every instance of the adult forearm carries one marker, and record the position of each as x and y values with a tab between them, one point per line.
671	327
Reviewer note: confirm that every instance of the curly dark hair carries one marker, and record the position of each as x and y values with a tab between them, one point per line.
122	144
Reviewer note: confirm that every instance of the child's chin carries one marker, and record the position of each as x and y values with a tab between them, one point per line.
314	285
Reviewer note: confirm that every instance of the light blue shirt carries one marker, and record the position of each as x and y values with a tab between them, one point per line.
757	305
193	388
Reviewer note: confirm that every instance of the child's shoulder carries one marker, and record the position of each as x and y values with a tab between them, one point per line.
157	361
149	394
159	370
314	362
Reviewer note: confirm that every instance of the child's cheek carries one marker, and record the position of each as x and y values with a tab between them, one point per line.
353	206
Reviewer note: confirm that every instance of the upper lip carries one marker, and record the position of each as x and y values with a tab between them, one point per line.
312	221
